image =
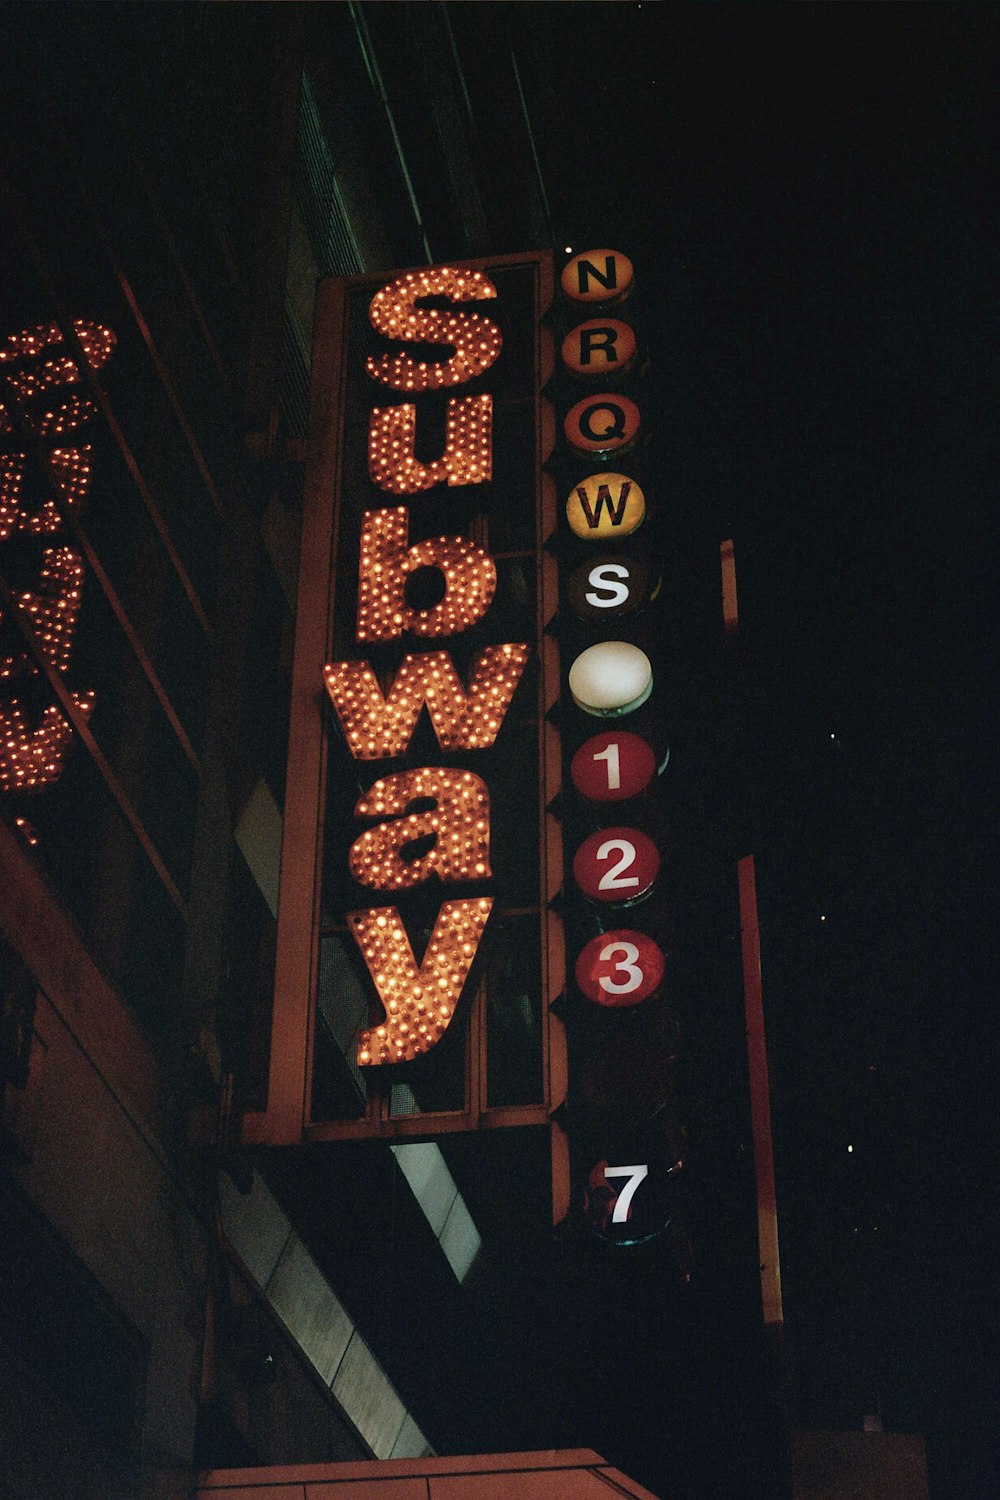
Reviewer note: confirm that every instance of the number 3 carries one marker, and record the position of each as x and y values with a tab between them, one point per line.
627	965
610	880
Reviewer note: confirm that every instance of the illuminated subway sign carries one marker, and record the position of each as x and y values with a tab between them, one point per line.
421	851
448	808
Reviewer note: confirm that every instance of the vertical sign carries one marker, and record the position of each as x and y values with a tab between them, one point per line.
623	1136
417	951
35	363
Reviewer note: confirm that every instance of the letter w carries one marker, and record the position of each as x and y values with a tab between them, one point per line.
615	512
377	727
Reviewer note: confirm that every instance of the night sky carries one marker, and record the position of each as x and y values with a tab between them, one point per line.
810	198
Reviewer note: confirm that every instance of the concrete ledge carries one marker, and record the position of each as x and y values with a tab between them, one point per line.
552	1474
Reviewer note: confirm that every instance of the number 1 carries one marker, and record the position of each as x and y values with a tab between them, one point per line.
614	770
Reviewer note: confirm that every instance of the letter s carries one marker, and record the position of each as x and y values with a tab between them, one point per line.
611	593
476	340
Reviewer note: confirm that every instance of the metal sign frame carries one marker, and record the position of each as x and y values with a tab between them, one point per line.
287	1119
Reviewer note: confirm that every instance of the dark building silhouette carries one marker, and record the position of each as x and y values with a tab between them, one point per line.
175	179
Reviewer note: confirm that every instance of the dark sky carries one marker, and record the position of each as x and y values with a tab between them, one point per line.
811	198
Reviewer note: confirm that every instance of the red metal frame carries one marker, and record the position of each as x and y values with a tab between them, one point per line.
753	997
578	1473
287	1120
760	1097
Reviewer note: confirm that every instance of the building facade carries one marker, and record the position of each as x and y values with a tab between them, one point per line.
174	1301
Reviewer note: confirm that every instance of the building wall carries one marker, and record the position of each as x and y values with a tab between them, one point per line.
188	207
868	1465
181	175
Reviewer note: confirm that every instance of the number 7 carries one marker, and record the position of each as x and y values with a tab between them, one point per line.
635	1176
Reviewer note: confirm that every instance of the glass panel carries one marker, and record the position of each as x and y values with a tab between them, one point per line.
73	255
60	1325
263	736
168	470
514	1014
101	873
153	958
436	1083
244	1024
341	1012
346	1006
134	733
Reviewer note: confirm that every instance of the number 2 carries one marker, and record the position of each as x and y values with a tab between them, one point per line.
635	1176
610	880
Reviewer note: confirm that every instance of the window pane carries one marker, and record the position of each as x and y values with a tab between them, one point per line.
514	1014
